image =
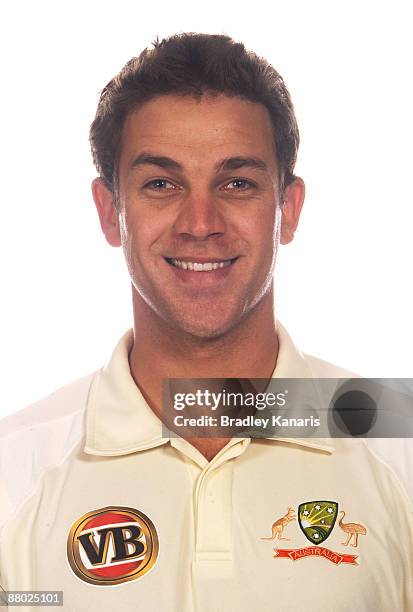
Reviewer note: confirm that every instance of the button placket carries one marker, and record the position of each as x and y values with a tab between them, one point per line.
213	505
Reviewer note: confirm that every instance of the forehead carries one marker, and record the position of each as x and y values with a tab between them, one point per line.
198	130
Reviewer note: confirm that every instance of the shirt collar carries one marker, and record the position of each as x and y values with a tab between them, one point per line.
119	420
293	363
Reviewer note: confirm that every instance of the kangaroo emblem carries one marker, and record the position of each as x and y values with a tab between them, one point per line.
280	524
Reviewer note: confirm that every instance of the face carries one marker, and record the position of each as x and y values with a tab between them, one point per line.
199	213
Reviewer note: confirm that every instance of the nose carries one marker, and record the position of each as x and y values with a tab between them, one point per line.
200	217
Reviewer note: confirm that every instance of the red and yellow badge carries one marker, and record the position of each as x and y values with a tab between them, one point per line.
112	545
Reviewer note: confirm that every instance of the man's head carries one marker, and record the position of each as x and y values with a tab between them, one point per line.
193	64
195	142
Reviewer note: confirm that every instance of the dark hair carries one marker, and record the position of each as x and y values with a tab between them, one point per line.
192	64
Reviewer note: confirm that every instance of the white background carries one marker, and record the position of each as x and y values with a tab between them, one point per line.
343	286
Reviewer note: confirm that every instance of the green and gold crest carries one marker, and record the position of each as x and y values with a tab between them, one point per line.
317	519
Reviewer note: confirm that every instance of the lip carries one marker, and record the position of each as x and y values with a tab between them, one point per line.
204	279
201	260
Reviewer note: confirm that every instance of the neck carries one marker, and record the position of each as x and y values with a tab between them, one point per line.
249	350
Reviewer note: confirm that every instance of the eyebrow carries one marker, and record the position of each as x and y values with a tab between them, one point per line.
226	164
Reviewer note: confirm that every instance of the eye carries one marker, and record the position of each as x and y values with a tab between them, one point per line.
160	184
238	184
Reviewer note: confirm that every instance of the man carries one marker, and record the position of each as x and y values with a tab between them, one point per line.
195	143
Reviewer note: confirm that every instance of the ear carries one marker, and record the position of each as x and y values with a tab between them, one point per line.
291	209
108	215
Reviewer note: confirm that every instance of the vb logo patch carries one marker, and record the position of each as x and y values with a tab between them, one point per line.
112	545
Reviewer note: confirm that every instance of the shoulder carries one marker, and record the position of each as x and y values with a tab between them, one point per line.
62	404
38	438
324	369
397	454
390	456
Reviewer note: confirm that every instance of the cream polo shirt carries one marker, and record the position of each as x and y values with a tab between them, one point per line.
96	503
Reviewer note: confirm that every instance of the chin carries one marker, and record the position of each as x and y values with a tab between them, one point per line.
208	330
206	334
209	321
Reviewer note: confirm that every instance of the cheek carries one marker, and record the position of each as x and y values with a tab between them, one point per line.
272	229
268	247
142	238
277	227
130	239
266	230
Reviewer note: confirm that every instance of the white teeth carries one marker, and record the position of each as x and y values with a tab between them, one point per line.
200	267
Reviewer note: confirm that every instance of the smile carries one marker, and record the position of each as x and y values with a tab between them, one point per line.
195	266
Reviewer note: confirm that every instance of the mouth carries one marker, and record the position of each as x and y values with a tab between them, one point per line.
200	266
